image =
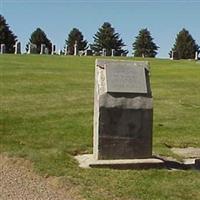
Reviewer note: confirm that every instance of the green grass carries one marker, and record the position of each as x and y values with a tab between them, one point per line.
47	113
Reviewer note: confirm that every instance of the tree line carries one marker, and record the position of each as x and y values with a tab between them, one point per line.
106	38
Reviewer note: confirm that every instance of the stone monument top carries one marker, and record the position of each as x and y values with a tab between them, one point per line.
125	78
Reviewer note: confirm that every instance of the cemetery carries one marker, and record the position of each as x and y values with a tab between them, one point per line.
96	120
48	117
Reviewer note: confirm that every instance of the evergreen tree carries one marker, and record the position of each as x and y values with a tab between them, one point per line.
39	37
7	37
75	36
144	45
106	38
185	46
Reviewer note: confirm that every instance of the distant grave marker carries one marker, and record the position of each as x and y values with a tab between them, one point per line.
42	49
112	52
53	49
196	55
2	48
17	47
75	49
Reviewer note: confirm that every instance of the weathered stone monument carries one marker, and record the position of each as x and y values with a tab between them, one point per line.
42	49
123	111
123	117
17	48
2	48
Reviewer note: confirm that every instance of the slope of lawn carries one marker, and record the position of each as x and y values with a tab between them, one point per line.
47	113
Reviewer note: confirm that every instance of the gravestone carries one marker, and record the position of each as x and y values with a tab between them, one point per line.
123	111
46	50
17	48
3	48
172	56
59	52
196	55
103	52
66	50
42	49
32	48
88	52
112	52
29	49
75	48
53	49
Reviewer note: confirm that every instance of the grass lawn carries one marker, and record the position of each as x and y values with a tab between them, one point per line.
47	113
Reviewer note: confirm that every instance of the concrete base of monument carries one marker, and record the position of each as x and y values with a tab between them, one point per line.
88	161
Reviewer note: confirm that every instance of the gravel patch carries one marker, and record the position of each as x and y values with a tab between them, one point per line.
19	182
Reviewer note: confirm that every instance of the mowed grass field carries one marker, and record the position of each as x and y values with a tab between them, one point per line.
47	117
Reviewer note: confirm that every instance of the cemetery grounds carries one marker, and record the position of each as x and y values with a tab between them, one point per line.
47	118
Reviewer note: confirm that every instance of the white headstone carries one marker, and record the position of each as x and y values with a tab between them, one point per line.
17	48
66	50
172	55
196	55
53	49
29	49
103	52
42	49
112	52
3	48
75	49
46	50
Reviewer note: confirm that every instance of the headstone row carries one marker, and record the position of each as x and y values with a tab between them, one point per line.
32	48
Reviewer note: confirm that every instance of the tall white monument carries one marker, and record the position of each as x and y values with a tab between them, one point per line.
112	52
75	48
3	48
53	49
196	55
17	48
66	50
42	49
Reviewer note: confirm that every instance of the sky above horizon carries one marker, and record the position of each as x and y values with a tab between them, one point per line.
164	19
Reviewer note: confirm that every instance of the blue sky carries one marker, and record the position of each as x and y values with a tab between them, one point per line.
163	18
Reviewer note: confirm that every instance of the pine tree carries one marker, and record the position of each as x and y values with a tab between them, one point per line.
144	45
106	38
7	37
185	46
75	36
39	37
